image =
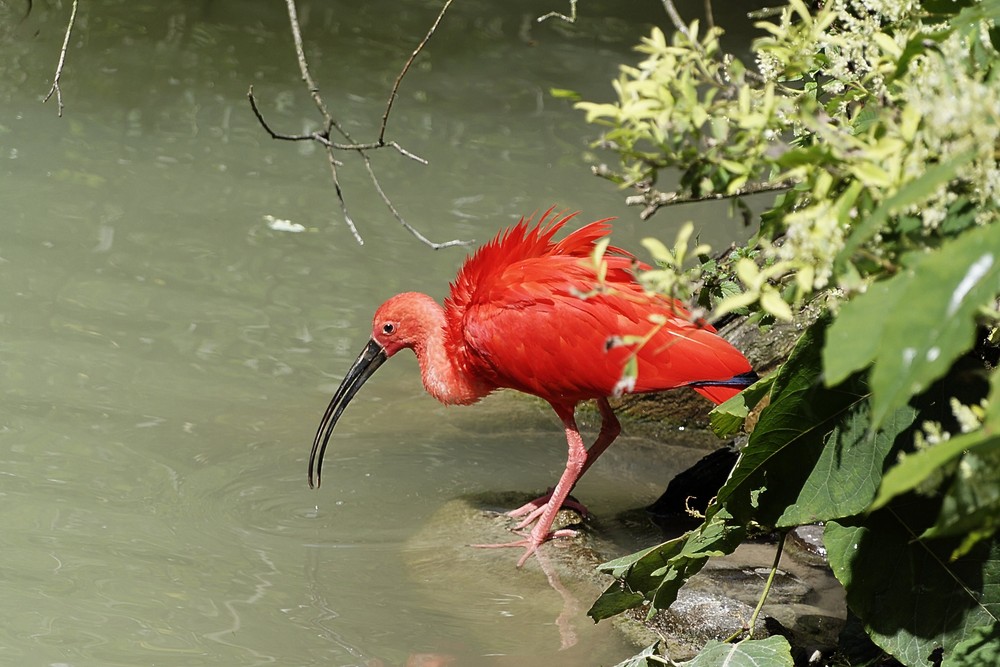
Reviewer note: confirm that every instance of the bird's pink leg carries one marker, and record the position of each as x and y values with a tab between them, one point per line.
577	462
610	428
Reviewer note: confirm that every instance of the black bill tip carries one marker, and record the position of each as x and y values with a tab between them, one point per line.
364	366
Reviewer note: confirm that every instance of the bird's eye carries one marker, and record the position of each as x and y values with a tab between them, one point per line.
388	328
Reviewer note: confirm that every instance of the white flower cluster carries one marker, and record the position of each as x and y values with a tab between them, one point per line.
940	109
960	110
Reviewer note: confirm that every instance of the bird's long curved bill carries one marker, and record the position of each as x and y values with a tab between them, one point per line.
364	366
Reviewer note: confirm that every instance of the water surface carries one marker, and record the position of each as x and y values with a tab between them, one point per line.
166	355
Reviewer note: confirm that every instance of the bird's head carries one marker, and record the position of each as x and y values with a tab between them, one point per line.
401	322
404	322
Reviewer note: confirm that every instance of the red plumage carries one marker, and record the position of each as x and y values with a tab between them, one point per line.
529	313
517	312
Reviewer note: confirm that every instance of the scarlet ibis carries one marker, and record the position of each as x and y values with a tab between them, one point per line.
531	314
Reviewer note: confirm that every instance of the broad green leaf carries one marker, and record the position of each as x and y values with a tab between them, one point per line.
982	647
847	474
657	573
613	601
934	320
911	599
970	507
726	419
620	566
771	652
853	339
911	471
786	456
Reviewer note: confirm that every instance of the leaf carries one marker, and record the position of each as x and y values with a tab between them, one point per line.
847	473
934	319
727	418
853	339
564	93
911	600
981	648
789	439
909	195
657	573
911	471
970	507
642	659
771	652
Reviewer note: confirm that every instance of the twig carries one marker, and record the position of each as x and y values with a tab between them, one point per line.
399	218
676	19
749	628
62	61
406	68
340	198
300	54
709	16
331	124
653	199
556	15
323	137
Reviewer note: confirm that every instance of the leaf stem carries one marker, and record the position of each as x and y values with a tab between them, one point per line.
749	627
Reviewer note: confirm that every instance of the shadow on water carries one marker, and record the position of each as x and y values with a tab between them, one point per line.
166	355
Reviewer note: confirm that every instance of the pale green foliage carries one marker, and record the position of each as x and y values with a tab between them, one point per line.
849	104
879	121
670	275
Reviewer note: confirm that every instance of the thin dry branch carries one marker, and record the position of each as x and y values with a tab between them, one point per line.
556	15
406	68
62	61
653	200
331	124
676	19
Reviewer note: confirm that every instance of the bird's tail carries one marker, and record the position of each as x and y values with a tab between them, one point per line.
719	391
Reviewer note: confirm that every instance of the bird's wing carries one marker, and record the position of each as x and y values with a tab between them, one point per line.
529	314
543	329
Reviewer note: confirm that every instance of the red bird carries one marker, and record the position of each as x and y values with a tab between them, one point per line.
531	314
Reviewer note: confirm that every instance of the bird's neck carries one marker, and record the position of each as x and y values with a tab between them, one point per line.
444	365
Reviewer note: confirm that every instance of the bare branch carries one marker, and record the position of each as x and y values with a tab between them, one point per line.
676	19
340	198
406	68
556	15
62	61
399	218
300	53
653	200
331	124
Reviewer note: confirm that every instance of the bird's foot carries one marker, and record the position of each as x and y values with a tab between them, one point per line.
530	543
534	509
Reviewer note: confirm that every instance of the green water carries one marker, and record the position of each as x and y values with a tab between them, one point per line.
166	356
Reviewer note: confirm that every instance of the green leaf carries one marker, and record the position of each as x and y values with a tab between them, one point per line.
909	195
657	573
564	93
614	601
807	437
771	652
645	658
911	599
934	319
912	470
853	339
847	473
970	507
727	418
982	647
